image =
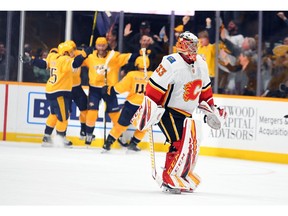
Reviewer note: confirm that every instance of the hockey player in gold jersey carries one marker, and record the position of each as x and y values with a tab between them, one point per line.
78	95
98	64
59	87
134	83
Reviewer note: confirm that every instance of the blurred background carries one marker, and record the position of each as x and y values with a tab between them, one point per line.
246	51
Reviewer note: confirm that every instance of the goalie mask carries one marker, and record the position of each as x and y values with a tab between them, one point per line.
187	44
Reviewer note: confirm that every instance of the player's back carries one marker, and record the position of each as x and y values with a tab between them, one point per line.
61	72
134	83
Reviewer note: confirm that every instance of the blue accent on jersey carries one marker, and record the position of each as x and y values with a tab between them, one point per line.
171	59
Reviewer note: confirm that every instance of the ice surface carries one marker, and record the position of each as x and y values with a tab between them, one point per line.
34	175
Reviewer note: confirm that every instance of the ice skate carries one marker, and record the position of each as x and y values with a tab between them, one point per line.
133	147
67	143
47	141
107	145
82	135
168	189
89	138
122	142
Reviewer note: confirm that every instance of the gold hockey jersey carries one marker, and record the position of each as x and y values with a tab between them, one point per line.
61	73
96	68
134	83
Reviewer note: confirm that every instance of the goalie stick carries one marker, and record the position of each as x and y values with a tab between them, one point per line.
155	176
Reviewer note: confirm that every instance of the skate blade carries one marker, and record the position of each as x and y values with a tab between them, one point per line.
87	146
171	190
187	191
84	138
104	151
47	145
125	145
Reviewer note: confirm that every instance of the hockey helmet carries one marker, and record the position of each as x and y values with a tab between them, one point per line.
139	62
101	40
179	28
72	43
53	50
65	47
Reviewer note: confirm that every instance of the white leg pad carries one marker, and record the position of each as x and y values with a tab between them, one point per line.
179	165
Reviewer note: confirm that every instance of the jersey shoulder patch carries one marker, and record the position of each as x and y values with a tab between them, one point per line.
171	59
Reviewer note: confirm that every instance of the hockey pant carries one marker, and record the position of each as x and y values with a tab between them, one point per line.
181	160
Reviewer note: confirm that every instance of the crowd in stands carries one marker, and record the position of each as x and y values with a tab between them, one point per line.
236	63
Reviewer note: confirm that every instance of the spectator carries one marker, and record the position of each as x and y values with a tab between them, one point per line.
282	16
248	73
144	29
208	52
41	75
111	37
279	72
153	49
28	74
164	40
248	44
12	70
230	47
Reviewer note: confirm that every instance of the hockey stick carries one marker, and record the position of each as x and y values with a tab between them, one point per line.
156	177
111	54
93	28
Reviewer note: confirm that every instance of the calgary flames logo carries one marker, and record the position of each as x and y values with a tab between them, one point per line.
192	90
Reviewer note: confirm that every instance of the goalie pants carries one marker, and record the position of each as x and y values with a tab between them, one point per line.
180	131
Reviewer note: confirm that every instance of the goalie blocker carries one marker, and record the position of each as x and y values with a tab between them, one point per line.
148	114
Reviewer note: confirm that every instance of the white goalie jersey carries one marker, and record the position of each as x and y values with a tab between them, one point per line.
182	82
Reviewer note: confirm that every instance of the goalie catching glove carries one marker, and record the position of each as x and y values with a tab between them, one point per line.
215	116
148	114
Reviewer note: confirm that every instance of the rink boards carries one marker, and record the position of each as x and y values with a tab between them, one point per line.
255	129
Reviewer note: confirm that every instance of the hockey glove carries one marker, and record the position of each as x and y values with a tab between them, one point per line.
107	91
88	51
